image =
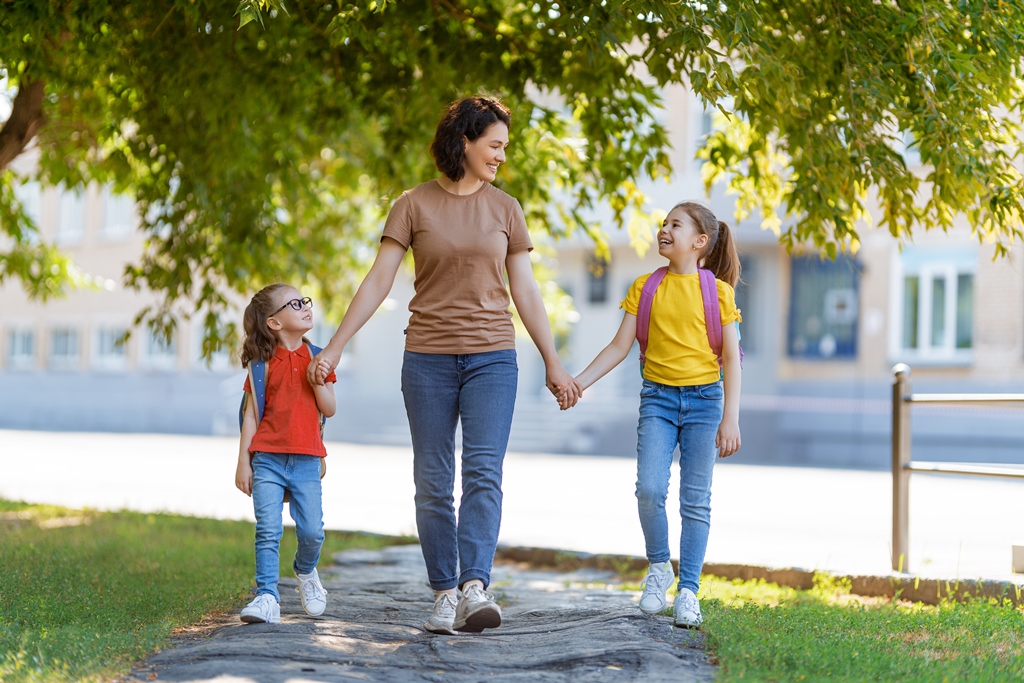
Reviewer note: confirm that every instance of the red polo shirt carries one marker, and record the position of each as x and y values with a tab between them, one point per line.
291	420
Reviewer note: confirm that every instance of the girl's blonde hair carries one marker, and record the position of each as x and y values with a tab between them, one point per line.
719	255
260	341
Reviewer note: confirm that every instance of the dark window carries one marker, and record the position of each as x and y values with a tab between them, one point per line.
823	307
744	302
597	281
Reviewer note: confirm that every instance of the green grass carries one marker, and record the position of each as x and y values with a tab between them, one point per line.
761	632
83	593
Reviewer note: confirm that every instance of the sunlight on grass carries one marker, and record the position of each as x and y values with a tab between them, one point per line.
84	593
763	632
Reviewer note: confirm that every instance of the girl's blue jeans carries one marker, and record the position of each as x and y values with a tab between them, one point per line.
272	474
688	417
439	390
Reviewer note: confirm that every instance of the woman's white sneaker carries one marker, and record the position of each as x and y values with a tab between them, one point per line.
312	593
476	611
444	615
687	609
659	577
262	610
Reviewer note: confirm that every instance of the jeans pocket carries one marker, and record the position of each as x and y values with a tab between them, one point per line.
712	392
649	389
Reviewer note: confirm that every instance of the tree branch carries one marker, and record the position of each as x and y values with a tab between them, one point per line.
25	121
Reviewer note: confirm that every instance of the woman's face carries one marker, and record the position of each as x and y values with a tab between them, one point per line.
486	153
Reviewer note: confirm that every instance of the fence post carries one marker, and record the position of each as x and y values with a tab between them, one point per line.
900	473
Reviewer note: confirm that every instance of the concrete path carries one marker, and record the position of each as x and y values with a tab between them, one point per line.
555	629
836	520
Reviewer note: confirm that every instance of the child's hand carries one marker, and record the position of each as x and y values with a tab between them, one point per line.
728	439
568	398
243	476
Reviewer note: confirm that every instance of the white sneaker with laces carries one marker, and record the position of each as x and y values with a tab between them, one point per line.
262	610
444	614
312	593
659	577
476	610
687	609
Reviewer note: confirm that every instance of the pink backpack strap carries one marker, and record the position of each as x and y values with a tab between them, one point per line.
643	310
712	311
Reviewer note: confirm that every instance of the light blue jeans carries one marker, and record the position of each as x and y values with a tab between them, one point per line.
272	475
688	417
480	390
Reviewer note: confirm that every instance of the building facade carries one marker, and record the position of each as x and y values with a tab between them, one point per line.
820	339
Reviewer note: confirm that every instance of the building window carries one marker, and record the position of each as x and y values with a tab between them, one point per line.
30	197
597	281
160	353
934	308
744	301
119	216
110	352
71	216
63	348
21	352
823	307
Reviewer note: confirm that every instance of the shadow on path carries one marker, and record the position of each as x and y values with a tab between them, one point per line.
555	629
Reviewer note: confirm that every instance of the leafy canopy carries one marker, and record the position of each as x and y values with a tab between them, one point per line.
271	150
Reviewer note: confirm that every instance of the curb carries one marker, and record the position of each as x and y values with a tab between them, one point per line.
902	587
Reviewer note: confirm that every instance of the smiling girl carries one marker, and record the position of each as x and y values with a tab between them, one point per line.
683	401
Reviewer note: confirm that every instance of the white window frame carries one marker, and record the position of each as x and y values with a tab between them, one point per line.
221	362
71	216
164	359
929	264
70	361
114	227
16	359
108	362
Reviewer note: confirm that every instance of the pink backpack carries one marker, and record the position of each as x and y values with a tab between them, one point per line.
712	312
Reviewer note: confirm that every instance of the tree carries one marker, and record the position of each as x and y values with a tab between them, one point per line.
271	150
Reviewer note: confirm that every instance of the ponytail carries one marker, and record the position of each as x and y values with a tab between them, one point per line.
720	255
259	342
722	259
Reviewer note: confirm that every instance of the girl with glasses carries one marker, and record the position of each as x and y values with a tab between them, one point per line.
282	449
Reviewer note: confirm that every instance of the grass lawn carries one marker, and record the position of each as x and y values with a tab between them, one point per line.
761	632
83	594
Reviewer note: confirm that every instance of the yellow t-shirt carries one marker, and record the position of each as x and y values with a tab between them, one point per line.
678	352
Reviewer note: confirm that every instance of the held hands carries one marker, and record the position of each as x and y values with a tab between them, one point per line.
321	366
564	387
728	438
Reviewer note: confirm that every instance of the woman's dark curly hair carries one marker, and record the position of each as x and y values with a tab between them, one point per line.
467	118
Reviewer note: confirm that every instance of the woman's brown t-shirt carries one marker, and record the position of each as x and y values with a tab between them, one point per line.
459	244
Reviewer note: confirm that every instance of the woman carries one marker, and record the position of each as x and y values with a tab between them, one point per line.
460	358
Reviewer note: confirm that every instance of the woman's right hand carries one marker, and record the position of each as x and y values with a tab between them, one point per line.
321	365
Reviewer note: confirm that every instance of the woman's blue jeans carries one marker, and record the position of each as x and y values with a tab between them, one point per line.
688	417
439	390
272	474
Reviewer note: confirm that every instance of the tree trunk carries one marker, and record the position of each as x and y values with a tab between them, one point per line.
25	121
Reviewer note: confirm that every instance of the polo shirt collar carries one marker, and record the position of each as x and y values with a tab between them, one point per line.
282	353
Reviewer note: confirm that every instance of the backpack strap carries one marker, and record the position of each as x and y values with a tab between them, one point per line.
712	311
313	352
643	310
257	389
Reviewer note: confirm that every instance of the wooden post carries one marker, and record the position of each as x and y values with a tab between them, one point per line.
900	473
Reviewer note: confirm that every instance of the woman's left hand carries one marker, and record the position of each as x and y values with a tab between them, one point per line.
728	439
564	387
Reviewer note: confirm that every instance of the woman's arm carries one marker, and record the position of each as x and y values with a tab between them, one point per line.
728	439
611	355
325	400
243	471
370	295
530	305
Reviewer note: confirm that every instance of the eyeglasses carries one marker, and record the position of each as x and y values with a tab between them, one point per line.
296	304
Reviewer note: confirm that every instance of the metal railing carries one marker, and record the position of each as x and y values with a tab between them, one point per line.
902	465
